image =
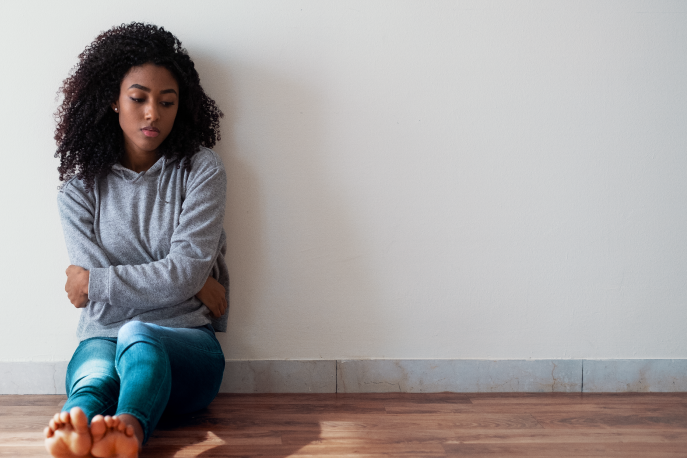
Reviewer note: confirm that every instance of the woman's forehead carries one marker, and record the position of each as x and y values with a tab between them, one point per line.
150	76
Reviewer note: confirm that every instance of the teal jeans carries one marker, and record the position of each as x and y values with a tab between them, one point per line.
145	371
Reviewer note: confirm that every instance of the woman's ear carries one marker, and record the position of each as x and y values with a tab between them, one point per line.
115	107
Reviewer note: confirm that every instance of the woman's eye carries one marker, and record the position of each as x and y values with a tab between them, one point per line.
164	104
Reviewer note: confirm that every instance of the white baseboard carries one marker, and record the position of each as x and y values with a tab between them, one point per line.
411	376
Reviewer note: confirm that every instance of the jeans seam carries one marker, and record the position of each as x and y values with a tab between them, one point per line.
104	408
211	352
107	406
71	393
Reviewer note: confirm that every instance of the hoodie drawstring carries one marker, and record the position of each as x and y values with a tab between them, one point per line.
159	180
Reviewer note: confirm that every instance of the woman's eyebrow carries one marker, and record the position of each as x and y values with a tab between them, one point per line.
143	88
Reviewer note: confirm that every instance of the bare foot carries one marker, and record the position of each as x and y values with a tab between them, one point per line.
68	435
113	438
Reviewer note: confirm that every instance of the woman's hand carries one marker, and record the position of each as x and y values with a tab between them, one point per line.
213	295
77	286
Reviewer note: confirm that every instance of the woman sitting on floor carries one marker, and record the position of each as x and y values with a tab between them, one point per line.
142	207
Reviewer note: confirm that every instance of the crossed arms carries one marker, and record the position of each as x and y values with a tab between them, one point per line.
182	274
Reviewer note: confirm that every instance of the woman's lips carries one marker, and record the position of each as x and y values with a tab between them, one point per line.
150	132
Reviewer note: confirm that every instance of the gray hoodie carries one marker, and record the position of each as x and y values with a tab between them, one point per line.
149	241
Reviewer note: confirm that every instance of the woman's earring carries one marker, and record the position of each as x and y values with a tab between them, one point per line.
117	110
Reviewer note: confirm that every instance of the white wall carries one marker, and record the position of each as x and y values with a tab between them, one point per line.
407	179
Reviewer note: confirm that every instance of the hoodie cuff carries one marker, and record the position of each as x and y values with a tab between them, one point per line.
99	284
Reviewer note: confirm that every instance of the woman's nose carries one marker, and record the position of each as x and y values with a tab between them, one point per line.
152	113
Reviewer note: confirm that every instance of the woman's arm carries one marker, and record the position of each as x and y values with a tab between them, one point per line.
76	213
212	294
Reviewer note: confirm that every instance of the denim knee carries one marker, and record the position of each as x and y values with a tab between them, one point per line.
93	365
136	328
137	332
103	385
96	393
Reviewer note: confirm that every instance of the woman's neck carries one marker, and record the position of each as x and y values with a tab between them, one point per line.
139	162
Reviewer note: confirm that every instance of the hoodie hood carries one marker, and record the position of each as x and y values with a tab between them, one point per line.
157	170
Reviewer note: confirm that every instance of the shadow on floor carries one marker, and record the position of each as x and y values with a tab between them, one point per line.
236	425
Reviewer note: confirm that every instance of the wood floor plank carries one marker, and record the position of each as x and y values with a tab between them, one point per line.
24	452
534	409
646	421
488	436
383	450
589	435
575	398
21	438
188	438
20	411
351	421
24	423
305	408
324	398
31	399
622	450
368	437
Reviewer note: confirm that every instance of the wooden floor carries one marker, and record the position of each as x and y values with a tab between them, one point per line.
395	424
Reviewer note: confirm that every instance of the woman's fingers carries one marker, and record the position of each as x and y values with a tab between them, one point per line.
213	295
222	308
216	310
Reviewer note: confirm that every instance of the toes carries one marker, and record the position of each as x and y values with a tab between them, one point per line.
117	423
48	432
53	424
98	427
129	430
56	420
79	420
64	417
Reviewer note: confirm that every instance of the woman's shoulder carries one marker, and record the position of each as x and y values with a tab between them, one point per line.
206	158
74	198
74	187
206	176
205	164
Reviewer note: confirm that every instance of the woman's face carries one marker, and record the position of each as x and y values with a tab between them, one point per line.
147	105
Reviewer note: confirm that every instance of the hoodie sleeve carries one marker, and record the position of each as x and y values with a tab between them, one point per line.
77	214
193	251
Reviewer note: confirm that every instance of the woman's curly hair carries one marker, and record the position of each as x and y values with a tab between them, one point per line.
89	138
